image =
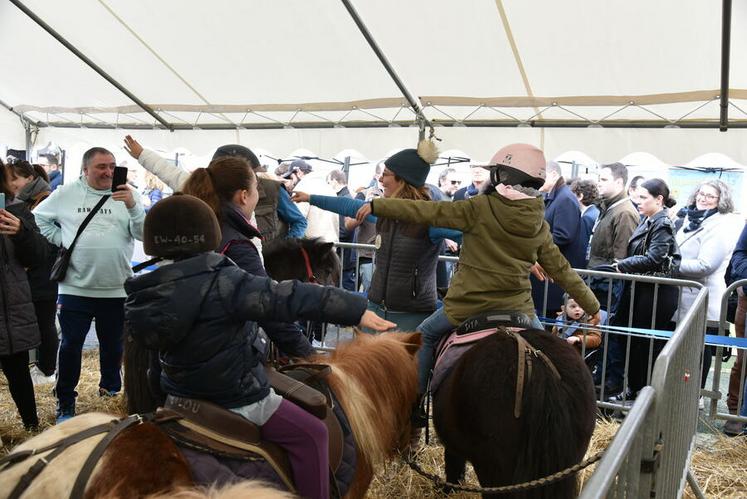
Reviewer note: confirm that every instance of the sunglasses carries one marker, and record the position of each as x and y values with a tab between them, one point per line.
456	182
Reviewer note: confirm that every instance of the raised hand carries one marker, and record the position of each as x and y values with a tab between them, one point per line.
133	147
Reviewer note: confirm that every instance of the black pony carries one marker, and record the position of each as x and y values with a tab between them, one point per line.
284	259
473	412
308	260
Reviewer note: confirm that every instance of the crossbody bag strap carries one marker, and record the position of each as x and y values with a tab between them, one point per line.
88	219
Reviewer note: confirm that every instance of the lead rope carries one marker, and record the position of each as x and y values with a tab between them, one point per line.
533	484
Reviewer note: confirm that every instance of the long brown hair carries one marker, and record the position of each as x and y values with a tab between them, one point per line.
409	191
217	183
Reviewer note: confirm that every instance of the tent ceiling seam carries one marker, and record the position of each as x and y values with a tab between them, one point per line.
514	49
157	55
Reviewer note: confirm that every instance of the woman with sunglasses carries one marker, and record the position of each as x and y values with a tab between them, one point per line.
707	239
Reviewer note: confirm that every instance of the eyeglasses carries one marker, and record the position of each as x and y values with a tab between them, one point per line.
387	174
456	182
710	197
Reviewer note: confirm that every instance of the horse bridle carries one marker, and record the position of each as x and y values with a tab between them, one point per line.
310	276
525	352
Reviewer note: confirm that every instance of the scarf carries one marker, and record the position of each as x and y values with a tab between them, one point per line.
695	217
32	189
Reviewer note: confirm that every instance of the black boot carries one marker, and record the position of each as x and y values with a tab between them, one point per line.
419	418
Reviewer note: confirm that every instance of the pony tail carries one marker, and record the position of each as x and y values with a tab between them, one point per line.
40	172
200	185
670	202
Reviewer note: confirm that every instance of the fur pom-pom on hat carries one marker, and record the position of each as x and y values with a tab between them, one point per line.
428	151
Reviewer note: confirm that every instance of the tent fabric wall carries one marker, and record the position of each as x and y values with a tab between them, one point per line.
12	133
269	63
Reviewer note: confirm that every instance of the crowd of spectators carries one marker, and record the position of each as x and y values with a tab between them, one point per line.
604	223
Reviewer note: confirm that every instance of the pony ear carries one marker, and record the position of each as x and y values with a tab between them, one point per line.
328	246
412	341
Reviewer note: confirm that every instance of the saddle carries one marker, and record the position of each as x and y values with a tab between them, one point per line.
207	427
479	327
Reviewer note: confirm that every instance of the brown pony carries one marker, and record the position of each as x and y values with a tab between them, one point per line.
374	378
473	412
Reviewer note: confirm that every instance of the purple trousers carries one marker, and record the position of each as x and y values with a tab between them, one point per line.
305	439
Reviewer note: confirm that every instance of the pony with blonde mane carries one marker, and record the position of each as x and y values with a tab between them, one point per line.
373	377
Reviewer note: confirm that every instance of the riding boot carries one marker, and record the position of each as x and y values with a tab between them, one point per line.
419	418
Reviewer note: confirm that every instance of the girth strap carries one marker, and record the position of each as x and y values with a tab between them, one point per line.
93	458
38	466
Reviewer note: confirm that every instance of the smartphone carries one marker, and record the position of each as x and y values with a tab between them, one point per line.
2	200
120	176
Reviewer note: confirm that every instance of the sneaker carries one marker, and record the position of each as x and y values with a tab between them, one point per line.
64	412
701	404
103	392
625	396
39	378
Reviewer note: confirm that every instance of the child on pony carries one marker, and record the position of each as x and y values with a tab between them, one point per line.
199	310
504	235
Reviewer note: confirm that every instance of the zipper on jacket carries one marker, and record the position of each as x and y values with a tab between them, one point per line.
4	296
388	265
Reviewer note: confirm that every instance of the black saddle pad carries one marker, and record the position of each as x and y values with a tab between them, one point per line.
493	319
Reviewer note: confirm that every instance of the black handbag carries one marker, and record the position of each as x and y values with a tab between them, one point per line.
59	268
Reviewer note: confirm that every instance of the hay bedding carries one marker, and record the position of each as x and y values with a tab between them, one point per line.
720	466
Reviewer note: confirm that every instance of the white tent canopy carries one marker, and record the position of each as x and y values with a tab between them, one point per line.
223	71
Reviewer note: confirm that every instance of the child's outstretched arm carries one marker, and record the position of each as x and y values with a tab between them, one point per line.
254	298
451	214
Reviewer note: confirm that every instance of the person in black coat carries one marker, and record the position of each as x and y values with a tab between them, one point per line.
226	185
652	250
563	214
198	313
32	188
21	246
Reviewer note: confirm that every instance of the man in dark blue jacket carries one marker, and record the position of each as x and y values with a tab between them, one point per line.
563	214
737	270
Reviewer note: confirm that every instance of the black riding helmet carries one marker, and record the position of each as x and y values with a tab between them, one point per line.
180	226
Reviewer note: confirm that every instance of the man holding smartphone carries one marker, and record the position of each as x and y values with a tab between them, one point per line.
99	264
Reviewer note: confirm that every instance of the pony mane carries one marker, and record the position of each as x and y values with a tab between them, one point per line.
377	375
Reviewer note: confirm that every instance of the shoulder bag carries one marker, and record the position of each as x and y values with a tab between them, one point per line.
59	268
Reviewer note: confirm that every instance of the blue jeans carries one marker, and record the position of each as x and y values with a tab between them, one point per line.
76	314
435	327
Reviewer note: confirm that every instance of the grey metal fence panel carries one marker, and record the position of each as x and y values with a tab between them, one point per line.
676	379
617	474
715	393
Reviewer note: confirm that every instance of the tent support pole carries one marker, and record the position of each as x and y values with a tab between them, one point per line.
725	56
46	27
414	103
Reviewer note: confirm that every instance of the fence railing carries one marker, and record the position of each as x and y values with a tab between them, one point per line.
715	394
650	453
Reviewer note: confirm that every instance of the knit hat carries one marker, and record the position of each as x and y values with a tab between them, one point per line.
238	151
180	225
413	165
518	164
